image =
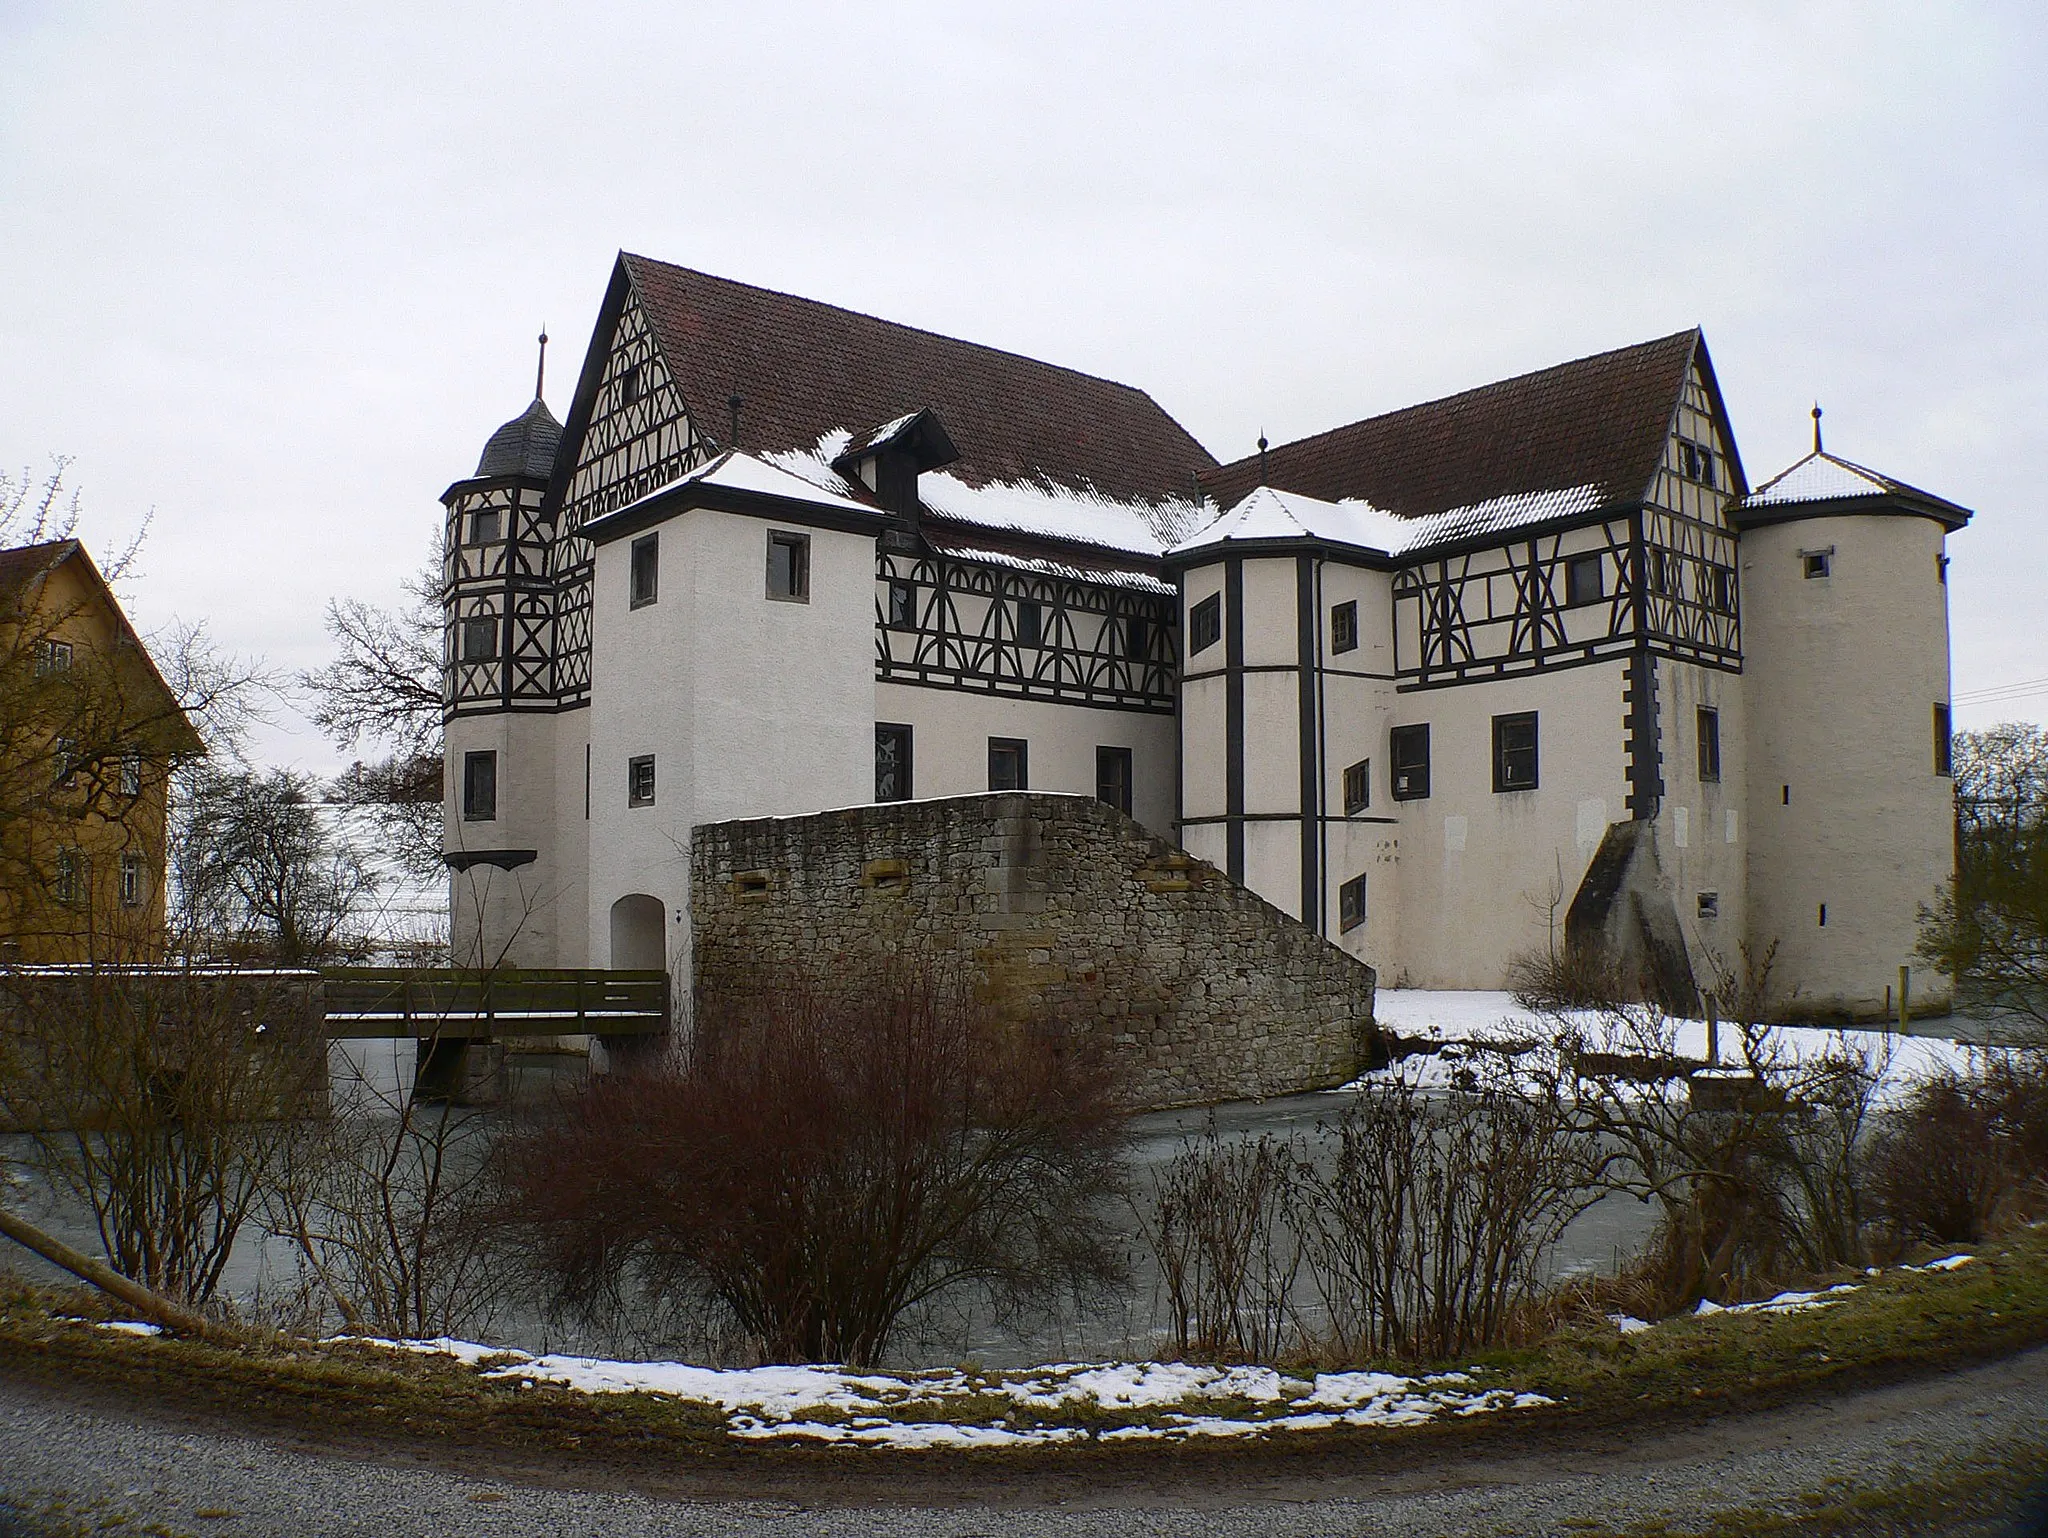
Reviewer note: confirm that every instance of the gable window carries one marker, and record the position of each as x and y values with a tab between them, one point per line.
789	567
1817	563
1351	903
52	657
1030	623
1709	725
629	384
902	604
1205	624
1585	579
1514	751
1008	766
131	774
1944	743
644	575
1344	626
479	787
1408	750
480	638
1696	463
131	880
483	526
640	780
1113	778
892	762
1137	638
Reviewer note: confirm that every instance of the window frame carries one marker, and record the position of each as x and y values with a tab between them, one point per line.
1344	626
904	767
475	520
71	880
1706	722
636	794
799	546
486	760
1817	565
131	893
1507	755
902	610
1106	757
1136	636
473	626
1351	904
1944	742
643	571
1575	593
1404	772
131	774
1020	747
52	657
1027	621
1357	787
1205	624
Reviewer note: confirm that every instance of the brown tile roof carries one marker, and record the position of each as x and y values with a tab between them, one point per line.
1600	421
805	369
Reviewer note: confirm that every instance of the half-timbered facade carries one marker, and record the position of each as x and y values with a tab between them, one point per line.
1444	685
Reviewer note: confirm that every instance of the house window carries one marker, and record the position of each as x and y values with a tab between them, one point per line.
131	880
1408	750
629	384
479	787
1816	563
1721	588
1710	905
1709	725
1351	903
1514	751
480	638
640	780
789	567
64	761
1030	623
892	762
1344	626
644	576
131	774
1585	579
1696	463
1205	624
1113	778
1944	743
1008	766
1137	638
1663	571
483	526
1358	787
52	657
69	886
902	604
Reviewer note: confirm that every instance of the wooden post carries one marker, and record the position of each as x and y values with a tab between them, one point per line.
1713	1032
1905	986
155	1308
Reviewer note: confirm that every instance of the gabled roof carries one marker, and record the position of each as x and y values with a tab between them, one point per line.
1824	483
1598	422
736	482
1269	516
807	371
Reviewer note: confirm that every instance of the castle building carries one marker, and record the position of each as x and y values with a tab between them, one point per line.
1446	686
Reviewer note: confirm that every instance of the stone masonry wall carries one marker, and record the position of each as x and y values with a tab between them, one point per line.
1060	902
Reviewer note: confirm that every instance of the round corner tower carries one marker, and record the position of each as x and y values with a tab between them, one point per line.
1846	652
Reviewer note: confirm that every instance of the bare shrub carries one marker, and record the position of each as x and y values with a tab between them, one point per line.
827	1160
1227	1258
1964	1155
1569	976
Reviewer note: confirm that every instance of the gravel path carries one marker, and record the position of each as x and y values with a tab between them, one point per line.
58	1450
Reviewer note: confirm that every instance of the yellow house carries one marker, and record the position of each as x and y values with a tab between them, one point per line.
88	733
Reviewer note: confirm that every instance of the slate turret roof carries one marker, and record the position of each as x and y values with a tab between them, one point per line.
523	446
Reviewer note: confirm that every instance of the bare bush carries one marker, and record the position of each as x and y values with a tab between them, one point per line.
1227	1258
827	1160
1964	1155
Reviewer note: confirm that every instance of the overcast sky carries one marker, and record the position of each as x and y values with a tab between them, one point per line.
275	274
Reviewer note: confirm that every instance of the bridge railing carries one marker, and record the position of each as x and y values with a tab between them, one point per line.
452	1004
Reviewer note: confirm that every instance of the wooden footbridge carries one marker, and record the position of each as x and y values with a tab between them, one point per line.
449	1004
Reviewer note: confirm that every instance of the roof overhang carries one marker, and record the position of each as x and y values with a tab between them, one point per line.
1889	504
690	496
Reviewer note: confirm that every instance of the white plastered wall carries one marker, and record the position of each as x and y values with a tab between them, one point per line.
1703	825
507	917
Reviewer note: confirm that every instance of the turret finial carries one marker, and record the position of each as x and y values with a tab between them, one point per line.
1816	427
733	402
540	372
1262	457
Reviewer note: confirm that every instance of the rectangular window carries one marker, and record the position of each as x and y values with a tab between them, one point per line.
52	657
1816	563
479	787
1710	905
1351	903
640	780
644	578
1514	751
1113	778
1137	638
902	604
1944	743
1663	571
69	886
629	384
789	567
1721	588
1585	579
1205	624
131	774
1358	787
483	526
131	880
1408	752
63	761
1030	623
1008	766
1709	726
480	638
1696	462
892	762
1344	627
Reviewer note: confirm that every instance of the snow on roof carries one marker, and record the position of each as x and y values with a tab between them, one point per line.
1820	478
1269	513
882	434
739	471
1103	576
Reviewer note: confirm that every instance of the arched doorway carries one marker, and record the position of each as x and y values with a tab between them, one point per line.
639	933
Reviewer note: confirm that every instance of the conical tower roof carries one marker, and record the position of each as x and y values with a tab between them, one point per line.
523	446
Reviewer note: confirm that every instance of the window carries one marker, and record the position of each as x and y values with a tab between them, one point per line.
63	761
1344	627
1944	743
131	880
1514	751
1408	750
52	657
892	762
1008	768
1816	563
480	638
789	567
69	886
1358	787
1663	571
902	604
1585	579
1351	903
1205	624
1696	463
131	774
1113	778
1710	905
640	780
1709	725
1137	638
1941	569
1030	623
479	787
483	526
629	384
644	575
1720	593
